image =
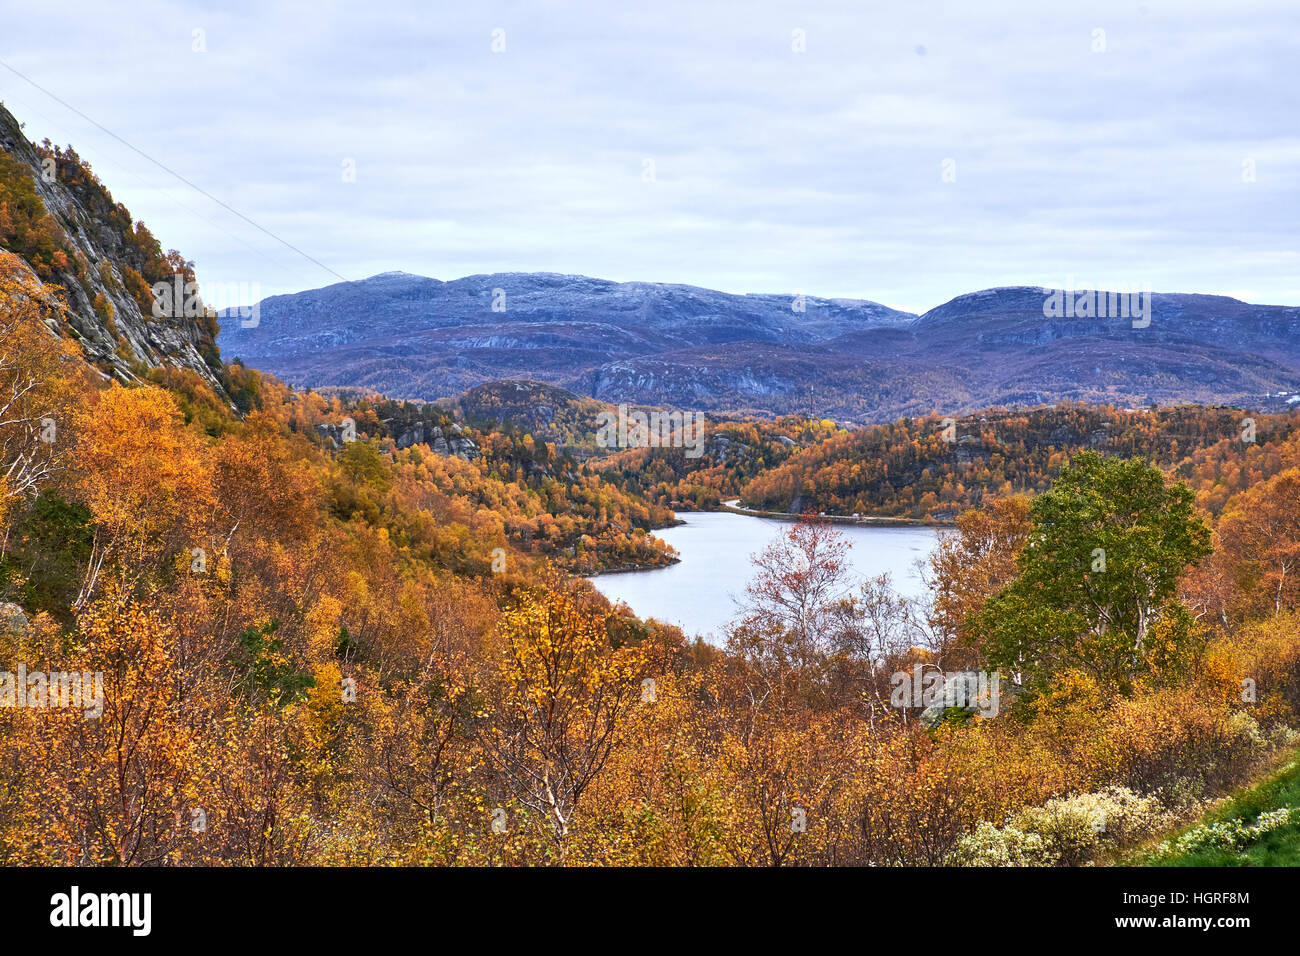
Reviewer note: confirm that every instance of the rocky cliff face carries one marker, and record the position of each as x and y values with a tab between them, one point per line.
448	441
61	221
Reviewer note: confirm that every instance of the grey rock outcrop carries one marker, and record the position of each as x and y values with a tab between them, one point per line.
13	619
967	692
129	339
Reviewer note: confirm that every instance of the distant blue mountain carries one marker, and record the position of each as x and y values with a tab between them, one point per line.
652	343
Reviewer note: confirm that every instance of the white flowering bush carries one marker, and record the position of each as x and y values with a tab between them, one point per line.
1185	793
1066	831
1245	734
1230	835
1282	737
1002	846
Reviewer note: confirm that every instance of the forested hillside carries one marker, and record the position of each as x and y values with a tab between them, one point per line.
311	654
734	452
934	468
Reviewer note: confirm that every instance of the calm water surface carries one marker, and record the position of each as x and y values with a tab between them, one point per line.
715	547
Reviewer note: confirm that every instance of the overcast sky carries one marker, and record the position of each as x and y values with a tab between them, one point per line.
1111	142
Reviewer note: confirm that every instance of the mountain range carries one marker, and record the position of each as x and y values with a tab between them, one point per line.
850	359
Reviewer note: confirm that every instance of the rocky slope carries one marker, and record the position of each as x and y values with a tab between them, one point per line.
60	221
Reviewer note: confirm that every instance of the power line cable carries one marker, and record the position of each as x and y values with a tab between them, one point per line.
172	172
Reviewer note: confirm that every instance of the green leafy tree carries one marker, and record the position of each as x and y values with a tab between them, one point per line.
363	464
46	553
264	672
1097	577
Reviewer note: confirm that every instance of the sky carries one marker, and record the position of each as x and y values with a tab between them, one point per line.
900	152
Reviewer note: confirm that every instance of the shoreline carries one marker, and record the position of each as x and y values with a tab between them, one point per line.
879	521
631	569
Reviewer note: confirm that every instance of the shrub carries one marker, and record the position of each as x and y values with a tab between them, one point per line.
1066	831
1165	740
1232	835
1006	846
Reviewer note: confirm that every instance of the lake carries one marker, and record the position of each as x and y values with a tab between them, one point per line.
715	547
